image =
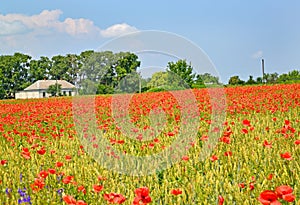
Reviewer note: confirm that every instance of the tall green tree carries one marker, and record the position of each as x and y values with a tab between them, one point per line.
183	70
235	80
14	74
39	69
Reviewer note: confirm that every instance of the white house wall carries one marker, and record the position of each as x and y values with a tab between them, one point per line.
39	94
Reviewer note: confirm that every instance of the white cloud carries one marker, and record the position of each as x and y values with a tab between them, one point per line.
12	24
117	30
12	28
46	33
257	54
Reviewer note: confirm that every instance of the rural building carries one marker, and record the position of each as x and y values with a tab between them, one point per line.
39	89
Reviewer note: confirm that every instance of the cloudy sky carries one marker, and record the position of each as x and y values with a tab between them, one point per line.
234	34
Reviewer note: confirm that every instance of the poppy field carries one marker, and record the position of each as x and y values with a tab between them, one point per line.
45	160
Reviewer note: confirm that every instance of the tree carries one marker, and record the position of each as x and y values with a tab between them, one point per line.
235	80
39	69
271	77
14	74
158	79
183	70
207	78
250	81
54	90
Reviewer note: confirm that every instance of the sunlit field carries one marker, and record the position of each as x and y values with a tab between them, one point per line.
43	159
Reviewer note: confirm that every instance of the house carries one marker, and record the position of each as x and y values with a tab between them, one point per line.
39	89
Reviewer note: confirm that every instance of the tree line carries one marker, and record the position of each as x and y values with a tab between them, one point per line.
106	72
268	78
18	71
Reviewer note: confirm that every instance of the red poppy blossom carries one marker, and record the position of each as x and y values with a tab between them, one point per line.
176	192
81	189
246	122
114	198
185	158
69	200
67	179
267	144
3	162
268	197
52	171
41	151
297	142
142	196
213	158
43	174
97	188
285	192
68	157
286	156
228	153
221	200
59	164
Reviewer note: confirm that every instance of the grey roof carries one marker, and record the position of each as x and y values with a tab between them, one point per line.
44	85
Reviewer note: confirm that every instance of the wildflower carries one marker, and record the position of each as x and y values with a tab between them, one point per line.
185	158
268	197
286	156
114	198
97	188
285	192
221	200
67	179
267	144
24	198
142	196
176	192
3	162
214	158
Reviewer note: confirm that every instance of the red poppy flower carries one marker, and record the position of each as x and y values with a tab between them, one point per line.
41	151
68	157
286	156
244	131
59	164
142	196
242	185
176	192
251	186
114	198
221	200
227	154
67	179
267	144
297	142
69	200
25	153
214	158
38	184
97	188
286	193
3	162
43	174
270	177
268	197
185	158
81	189
52	171
80	202
246	122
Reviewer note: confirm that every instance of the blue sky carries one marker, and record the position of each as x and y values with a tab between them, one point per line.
234	34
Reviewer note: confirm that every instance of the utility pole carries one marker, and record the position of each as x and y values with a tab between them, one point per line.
263	69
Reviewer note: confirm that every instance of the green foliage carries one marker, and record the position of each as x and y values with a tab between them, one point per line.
235	80
54	90
184	72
